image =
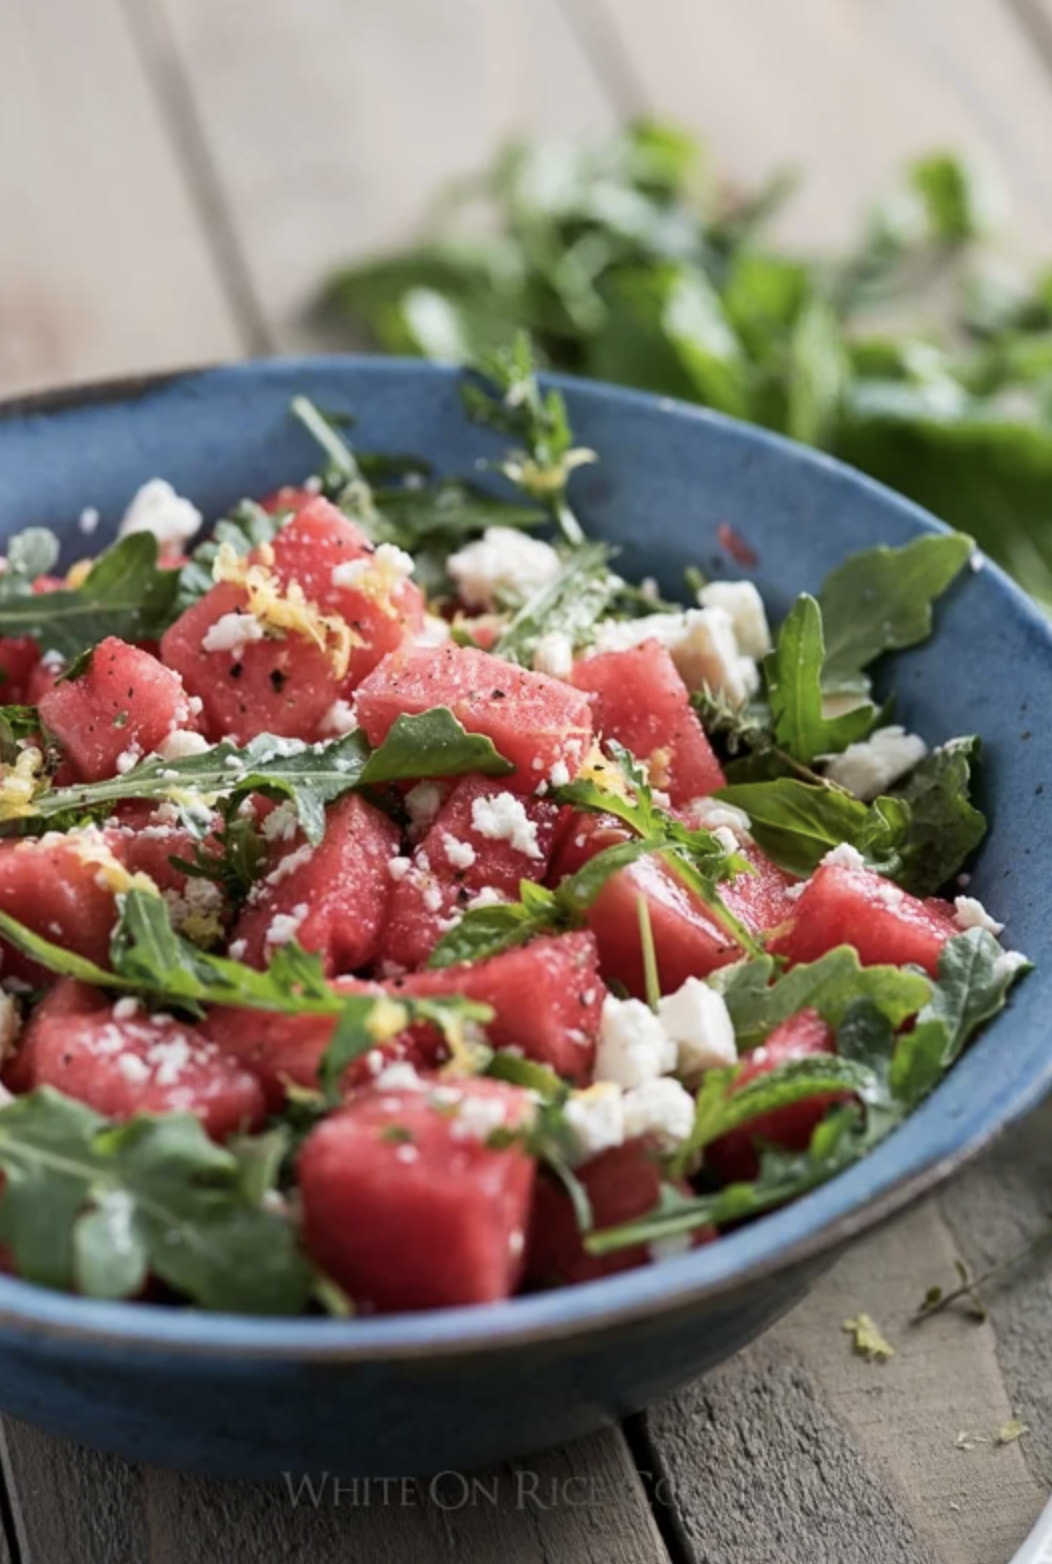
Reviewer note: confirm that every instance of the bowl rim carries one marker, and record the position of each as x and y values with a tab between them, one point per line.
799	1233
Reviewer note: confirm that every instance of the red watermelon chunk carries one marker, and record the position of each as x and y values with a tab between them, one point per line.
734	1156
119	1060
407	1207
456	861
842	906
331	899
622	1184
286	686
122	707
543	726
55	885
639	699
547	999
19	655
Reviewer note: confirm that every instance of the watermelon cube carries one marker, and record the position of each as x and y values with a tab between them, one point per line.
734	1156
458	858
639	699
121	707
331	899
622	1184
19	655
406	1206
543	726
844	906
120	1060
547	999
59	887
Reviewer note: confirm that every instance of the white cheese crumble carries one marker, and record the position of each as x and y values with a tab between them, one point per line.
503	564
477	1118
698	1021
399	1076
398	866
125	1009
232	633
423	803
870	768
237	949
460	854
389	566
709	814
970	913
488	896
743	602
553	655
133	1068
844	856
595	1118
633	1045
701	643
289	864
157	508
284	926
662	1108
559	775
282	823
503	818
182	743
128	759
340	718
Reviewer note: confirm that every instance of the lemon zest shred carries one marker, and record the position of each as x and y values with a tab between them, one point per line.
21	784
283	610
78	573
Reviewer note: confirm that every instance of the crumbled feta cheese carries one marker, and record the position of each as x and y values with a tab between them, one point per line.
53	661
698	1021
726	838
128	759
503	818
870	768
662	1108
182	743
284	926
158	509
460	854
133	1068
289	864
169	1059
709	814
1005	967
406	1153
971	914
125	1009
423	803
701	642
232	633
503	564
559	775
478	1117
88	520
844	856
282	823
399	1076
553	655
743	602
488	896
431	896
389	566
398	867
633	1044
596	1120
340	718
237	949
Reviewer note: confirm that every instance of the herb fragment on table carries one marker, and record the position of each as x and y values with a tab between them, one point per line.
867	1339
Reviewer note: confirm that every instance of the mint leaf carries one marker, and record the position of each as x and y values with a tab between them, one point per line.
91	1206
721	1108
573	603
759	999
793	672
881	600
125	594
944	826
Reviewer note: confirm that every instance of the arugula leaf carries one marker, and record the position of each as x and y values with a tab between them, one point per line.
433	744
881	600
247	526
124	594
793	673
796	823
759	998
504	395
573	603
93	1206
945	827
16	723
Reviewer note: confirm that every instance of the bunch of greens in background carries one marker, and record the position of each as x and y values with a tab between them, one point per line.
621	265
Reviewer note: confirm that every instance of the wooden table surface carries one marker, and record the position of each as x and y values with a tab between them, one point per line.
175	175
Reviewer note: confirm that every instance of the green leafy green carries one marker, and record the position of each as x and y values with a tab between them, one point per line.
573	604
16	724
124	594
95	1206
945	827
433	744
760	998
797	823
247	526
793	672
881	600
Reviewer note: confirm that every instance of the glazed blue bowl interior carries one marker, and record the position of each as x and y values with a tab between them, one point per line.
669	479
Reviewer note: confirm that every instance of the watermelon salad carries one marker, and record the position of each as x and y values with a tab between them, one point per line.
400	907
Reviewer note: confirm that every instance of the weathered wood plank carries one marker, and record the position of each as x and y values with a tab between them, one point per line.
332	126
833	1453
103	265
581	1504
845	92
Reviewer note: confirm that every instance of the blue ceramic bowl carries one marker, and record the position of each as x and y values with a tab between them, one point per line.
244	1397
